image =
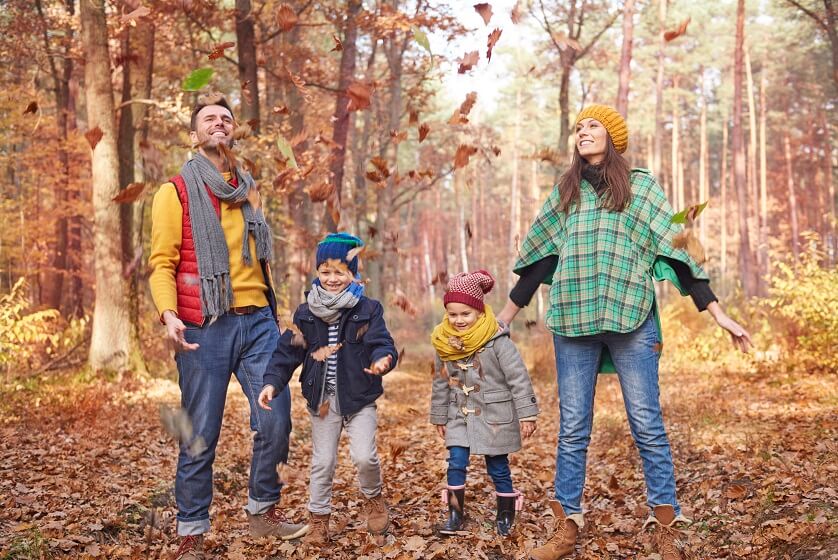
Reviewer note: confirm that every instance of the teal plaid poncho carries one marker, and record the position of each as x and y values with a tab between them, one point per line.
603	281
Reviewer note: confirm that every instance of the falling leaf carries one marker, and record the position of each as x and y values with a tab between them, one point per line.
299	83
674	34
320	191
485	11
176	422
286	18
132	17
467	62
229	155
459	116
324	409
469	233
400	357
253	167
515	15
494	36
381	165
374	176
402	302
359	96
333	207
689	214
424	129
397	447
566	42
398	137
93	136
372	231
286	150
413	118
242	131
548	155
530	323
247	93
323	353
351	254
338	44
32	108
197	79
218	50
440	277
130	193
281	110
422	39
689	242
464	152
496	151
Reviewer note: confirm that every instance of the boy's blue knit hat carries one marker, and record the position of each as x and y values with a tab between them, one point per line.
337	246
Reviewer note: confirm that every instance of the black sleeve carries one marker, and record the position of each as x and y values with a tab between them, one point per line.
530	278
699	290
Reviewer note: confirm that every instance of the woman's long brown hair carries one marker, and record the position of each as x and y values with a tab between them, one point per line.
616	172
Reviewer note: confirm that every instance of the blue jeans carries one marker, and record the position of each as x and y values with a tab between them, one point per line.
635	356
233	343
496	465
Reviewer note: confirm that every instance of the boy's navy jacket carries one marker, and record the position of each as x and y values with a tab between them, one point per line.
365	340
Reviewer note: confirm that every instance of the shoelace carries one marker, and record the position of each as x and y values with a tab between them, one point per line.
563	530
275	517
187	544
377	504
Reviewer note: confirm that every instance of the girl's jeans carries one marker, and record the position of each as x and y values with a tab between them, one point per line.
496	465
635	356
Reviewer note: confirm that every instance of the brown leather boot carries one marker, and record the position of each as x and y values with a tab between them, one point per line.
191	548
318	532
378	516
563	542
273	522
666	537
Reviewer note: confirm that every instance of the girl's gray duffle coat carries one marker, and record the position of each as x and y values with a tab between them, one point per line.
480	399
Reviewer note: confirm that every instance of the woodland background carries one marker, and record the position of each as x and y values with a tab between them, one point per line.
433	130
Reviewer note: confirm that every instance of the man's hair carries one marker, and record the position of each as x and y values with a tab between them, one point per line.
206	101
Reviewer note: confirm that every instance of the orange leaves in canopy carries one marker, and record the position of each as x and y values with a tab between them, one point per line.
218	50
359	96
93	136
485	11
494	36
467	62
286	18
464	152
671	35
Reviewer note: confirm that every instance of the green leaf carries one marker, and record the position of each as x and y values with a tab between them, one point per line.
286	150
422	39
197	79
689	214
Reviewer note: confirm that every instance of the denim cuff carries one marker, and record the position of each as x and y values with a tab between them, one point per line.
257	507
198	527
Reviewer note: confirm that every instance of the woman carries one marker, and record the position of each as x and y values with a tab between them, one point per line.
598	239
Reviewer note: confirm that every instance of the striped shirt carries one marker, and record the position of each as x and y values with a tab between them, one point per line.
332	361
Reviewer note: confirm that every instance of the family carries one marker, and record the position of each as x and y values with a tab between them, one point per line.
601	238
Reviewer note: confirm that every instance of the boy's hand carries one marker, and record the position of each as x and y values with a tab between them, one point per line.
380	367
440	430
527	429
265	397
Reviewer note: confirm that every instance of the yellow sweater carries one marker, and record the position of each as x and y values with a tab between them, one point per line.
166	229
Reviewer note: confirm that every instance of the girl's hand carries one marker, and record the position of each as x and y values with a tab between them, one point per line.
527	428
738	335
380	367
441	431
268	393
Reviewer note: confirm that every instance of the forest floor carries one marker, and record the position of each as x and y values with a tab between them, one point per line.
86	471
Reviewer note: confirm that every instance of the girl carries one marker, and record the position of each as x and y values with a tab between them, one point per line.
603	233
481	393
345	349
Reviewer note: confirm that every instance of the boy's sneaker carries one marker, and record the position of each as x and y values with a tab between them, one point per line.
191	548
274	523
378	516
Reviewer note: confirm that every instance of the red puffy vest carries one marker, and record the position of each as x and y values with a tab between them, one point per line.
186	274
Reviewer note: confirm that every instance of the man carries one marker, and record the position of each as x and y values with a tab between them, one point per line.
210	247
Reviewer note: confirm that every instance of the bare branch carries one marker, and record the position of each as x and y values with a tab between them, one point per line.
822	24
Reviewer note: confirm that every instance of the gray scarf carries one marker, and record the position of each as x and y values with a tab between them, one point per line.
328	306
210	244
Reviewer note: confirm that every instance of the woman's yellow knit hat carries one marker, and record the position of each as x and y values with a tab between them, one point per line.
613	122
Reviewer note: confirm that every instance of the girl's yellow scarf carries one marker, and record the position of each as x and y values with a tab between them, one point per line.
452	344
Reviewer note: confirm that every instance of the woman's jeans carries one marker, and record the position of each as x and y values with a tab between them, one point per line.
635	356
496	465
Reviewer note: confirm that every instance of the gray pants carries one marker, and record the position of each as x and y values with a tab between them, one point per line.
325	436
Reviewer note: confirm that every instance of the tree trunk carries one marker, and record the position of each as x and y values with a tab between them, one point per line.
746	257
753	181
564	110
702	164
248	74
831	242
763	187
724	195
677	186
109	348
795	230
658	152
625	58
340	132
514	195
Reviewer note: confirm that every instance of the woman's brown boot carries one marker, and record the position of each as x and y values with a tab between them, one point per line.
563	542
665	538
318	530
